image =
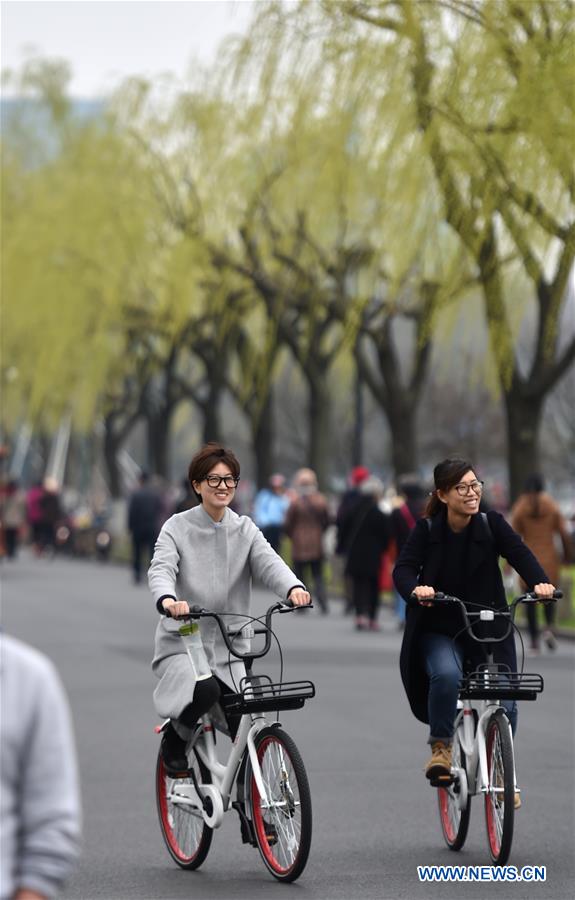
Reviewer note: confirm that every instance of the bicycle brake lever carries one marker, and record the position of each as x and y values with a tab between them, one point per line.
287	606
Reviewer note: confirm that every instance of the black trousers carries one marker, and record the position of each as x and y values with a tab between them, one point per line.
273	535
316	566
548	612
141	542
206	693
366	595
11	541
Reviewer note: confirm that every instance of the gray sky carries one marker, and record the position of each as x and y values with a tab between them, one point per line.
107	40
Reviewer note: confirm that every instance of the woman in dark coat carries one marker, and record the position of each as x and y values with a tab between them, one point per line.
366	534
456	551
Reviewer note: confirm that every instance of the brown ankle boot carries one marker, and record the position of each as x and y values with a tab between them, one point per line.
440	762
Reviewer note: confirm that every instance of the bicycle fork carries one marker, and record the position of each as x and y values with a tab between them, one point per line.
481	750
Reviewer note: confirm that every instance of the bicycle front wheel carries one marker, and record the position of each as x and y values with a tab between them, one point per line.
187	836
282	820
499	799
454	819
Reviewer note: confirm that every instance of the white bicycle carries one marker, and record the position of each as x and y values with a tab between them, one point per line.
483	761
273	798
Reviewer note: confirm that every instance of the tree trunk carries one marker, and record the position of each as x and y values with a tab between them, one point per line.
158	431
523	413
402	422
263	439
359	422
319	428
211	410
112	445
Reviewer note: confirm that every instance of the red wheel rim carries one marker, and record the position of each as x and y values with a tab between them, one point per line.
445	817
167	828
259	820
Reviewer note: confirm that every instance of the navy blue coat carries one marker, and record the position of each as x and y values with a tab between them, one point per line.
420	562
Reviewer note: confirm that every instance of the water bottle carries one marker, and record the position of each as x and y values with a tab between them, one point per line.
190	634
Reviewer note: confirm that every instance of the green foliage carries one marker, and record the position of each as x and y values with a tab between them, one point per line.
343	164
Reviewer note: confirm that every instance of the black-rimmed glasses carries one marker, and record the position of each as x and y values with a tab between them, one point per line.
465	487
214	481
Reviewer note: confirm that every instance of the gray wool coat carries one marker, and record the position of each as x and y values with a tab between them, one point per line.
210	564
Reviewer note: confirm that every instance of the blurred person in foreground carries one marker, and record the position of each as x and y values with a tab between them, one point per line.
39	798
306	521
270	508
145	509
537	518
366	535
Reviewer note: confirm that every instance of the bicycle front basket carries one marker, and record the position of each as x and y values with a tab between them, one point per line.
264	696
490	684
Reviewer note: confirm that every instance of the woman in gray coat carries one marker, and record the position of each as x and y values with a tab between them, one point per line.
207	556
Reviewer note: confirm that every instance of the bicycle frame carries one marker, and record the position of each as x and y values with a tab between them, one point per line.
224	775
470	736
472	742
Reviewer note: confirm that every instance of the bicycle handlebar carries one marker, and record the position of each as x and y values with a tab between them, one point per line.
284	606
488	614
532	597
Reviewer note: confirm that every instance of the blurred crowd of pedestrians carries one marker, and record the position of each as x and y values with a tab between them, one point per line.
35	513
344	543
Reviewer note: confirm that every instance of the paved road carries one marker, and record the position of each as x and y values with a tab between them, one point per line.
374	815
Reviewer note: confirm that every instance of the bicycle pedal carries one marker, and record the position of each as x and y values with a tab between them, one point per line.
442	781
271	833
176	773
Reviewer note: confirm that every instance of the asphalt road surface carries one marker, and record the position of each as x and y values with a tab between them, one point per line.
375	817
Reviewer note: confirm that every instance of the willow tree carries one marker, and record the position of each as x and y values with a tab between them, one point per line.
297	252
487	102
490	89
78	229
195	173
348	213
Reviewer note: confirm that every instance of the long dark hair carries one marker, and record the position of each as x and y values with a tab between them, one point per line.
446	475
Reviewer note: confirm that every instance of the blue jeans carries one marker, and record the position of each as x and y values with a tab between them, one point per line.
443	661
400	605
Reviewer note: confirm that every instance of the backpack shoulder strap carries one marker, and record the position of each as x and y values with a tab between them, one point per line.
487	527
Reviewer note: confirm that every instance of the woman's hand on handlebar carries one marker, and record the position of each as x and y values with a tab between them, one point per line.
544	591
424	594
299	596
175	608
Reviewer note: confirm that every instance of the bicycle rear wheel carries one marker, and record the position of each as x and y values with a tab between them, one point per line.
454	819
282	827
187	836
499	799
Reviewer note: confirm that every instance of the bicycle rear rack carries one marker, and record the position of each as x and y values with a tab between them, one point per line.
261	695
483	684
